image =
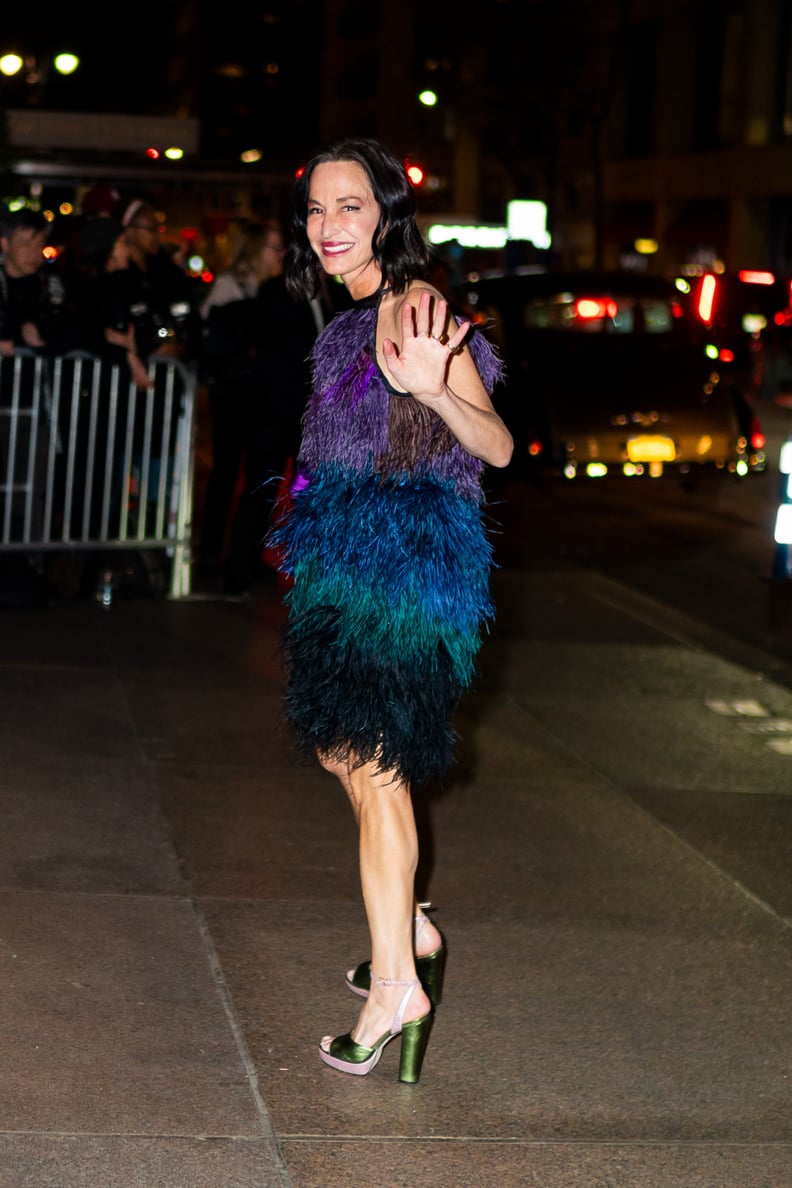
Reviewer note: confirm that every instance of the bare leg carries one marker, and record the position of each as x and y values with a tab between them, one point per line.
429	938
341	770
388	859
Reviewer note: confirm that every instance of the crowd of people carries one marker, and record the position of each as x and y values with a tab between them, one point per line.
116	291
113	287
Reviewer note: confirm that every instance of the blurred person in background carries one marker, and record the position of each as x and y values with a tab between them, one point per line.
34	316
33	301
98	202
101	202
167	320
284	332
100	297
102	325
227	365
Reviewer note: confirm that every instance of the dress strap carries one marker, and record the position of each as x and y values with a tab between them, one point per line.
372	300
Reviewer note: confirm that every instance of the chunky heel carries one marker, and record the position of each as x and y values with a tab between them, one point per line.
414	1038
431	971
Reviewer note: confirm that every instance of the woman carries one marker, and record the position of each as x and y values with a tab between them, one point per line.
388	557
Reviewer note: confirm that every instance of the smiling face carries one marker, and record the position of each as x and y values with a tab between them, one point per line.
341	219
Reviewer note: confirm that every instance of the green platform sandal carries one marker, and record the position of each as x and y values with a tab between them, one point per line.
346	1055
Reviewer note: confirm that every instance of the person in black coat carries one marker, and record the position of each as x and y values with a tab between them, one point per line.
284	333
33	300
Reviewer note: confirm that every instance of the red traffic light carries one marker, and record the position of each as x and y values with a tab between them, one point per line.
416	174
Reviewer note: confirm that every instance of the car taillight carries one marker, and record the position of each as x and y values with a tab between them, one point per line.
707	297
752	276
596	307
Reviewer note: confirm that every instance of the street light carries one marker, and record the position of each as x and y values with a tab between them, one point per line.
35	70
66	63
11	64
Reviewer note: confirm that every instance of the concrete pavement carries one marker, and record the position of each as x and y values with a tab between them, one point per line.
609	859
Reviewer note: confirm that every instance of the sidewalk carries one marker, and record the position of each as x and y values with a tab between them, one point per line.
179	900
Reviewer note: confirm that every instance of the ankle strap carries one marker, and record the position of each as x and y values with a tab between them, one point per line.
378	981
411	984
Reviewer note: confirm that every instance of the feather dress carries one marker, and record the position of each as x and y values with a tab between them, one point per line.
388	561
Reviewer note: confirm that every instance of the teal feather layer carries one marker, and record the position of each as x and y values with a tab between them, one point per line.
391	589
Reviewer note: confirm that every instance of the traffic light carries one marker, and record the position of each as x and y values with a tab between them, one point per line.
416	174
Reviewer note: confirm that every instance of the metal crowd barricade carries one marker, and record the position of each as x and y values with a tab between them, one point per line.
89	461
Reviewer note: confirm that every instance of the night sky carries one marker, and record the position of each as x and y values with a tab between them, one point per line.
120	52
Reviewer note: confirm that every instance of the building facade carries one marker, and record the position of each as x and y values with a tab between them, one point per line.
670	124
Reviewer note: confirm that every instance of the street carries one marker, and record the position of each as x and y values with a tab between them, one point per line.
707	552
608	860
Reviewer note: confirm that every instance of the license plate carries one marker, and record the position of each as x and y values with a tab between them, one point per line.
651	448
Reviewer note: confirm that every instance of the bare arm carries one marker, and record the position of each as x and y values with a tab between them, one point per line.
431	363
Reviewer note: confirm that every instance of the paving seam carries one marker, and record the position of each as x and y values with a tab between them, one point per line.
221	987
773	1144
223	991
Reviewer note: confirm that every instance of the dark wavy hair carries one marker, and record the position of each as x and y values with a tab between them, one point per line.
24	219
399	247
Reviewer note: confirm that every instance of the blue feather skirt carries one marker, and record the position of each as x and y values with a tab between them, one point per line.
389	595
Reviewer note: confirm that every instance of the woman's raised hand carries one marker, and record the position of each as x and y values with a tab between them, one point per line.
420	367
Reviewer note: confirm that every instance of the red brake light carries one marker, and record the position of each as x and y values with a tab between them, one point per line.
596	307
750	276
725	355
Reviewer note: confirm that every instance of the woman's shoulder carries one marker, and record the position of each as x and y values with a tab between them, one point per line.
393	303
411	293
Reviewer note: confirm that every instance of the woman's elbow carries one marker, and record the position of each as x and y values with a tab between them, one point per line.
502	451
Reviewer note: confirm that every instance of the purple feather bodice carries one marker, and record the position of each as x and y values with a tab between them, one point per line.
353	422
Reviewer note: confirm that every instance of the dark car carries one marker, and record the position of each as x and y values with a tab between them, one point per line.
748	317
609	373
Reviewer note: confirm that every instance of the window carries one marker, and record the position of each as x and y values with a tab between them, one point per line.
599	313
